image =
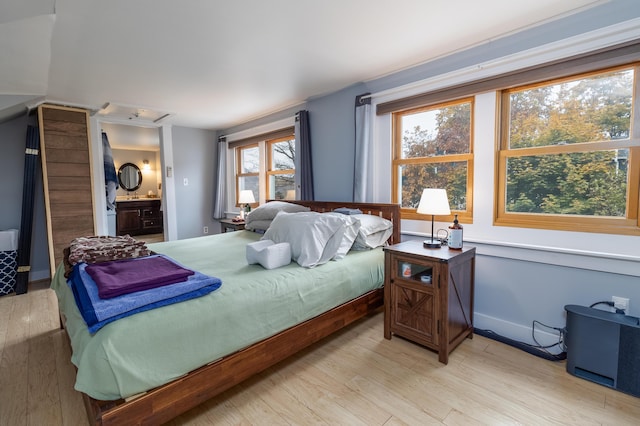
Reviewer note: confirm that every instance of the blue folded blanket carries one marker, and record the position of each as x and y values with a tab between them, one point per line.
99	312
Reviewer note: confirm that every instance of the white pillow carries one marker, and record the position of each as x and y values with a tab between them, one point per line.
257	225
374	231
253	249
268	211
268	254
352	226
260	218
314	237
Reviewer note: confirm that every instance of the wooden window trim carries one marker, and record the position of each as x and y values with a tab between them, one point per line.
270	171
276	134
628	225
241	175
407	213
619	54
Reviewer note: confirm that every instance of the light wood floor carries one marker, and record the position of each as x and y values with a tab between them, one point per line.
354	377
150	238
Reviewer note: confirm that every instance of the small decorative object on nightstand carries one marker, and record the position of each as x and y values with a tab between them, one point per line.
428	295
229	224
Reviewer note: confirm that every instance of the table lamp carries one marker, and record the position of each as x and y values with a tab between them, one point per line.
434	202
246	197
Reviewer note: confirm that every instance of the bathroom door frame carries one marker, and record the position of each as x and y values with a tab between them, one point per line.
170	223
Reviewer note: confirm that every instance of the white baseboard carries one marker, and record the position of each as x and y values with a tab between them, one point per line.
515	331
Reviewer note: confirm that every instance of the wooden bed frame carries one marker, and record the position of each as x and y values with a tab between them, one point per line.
166	402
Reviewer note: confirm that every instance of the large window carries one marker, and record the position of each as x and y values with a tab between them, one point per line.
267	167
568	155
433	148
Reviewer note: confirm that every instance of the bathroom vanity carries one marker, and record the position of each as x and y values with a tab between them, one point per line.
138	216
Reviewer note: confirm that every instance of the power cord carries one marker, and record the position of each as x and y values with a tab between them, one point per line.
561	337
537	349
610	304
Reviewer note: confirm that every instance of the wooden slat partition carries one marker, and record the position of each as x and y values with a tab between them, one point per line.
67	176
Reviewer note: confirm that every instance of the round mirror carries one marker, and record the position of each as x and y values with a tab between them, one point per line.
130	177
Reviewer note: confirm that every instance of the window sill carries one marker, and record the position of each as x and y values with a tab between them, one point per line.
571	258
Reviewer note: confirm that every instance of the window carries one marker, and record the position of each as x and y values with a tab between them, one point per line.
248	170
568	158
281	169
433	148
266	166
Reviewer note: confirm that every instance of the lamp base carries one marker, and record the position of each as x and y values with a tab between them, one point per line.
432	243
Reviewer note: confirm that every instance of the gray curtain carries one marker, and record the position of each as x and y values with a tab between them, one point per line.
362	161
304	171
220	196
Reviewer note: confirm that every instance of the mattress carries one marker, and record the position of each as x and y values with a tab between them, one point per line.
149	349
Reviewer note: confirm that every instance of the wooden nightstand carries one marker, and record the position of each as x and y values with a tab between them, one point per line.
428	295
228	224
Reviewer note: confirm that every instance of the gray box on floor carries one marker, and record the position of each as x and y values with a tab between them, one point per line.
604	347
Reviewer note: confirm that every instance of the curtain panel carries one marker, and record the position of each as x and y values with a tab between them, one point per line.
304	171
220	195
362	160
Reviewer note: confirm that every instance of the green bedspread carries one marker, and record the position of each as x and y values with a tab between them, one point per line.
146	350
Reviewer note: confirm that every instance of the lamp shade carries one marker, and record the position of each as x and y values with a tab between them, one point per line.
291	194
246	197
434	202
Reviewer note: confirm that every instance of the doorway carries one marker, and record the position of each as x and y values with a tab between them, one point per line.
140	146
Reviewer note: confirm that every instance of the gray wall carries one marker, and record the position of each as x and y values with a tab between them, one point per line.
194	158
13	135
332	136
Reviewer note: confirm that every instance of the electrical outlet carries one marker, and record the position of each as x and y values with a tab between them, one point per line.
205	229
185	182
620	303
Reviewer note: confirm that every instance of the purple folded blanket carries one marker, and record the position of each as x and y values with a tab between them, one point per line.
129	275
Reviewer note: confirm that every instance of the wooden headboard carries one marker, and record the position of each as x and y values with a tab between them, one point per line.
387	211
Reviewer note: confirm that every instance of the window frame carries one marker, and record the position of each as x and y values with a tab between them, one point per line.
272	172
629	225
239	174
397	161
263	143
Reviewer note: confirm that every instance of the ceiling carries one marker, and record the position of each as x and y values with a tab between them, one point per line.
214	64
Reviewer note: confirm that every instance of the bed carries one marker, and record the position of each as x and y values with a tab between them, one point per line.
125	382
